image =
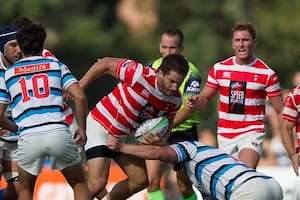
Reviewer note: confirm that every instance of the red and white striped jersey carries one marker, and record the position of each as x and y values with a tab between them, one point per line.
291	109
243	91
135	99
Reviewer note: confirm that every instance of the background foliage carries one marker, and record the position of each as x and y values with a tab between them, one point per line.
80	31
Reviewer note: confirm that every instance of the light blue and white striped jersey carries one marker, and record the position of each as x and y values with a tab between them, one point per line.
11	137
33	86
212	171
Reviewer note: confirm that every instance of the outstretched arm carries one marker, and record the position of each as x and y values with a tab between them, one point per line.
98	69
149	152
201	101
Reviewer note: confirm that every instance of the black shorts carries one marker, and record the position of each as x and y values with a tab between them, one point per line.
187	135
100	151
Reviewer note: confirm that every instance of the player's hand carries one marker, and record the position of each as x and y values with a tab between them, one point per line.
4	132
80	138
114	143
154	139
190	102
67	97
294	159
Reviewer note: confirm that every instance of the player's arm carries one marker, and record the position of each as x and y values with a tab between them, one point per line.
81	108
201	101
183	115
149	152
102	66
4	122
289	144
169	131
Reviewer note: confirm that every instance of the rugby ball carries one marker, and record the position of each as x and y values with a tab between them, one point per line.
156	126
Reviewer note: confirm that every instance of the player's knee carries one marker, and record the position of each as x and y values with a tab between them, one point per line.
140	183
96	185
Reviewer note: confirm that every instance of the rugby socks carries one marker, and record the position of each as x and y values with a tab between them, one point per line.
2	194
156	195
192	197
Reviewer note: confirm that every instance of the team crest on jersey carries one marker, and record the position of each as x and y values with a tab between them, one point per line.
145	93
255	77
226	74
130	66
32	68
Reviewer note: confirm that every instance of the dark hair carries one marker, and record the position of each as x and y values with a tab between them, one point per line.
173	31
245	26
174	62
20	21
31	38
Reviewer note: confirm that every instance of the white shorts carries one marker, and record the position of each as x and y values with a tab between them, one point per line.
258	188
233	146
97	135
58	145
8	152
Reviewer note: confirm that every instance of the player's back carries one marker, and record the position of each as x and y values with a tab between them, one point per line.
35	86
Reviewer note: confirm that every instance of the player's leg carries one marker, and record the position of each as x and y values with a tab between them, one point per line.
155	170
30	162
251	148
27	182
10	172
185	186
97	175
98	157
65	157
135	169
76	178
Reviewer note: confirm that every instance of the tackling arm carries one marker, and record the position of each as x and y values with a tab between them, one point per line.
149	152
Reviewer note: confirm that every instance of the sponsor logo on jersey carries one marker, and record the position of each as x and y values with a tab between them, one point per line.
32	68
237	97
193	86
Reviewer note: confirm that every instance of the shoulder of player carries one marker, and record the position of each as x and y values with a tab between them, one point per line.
156	63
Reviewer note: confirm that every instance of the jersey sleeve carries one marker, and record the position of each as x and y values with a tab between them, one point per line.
129	71
4	95
211	78
191	85
67	77
290	111
273	86
184	151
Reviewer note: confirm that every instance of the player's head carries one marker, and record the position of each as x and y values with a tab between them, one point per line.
20	21
171	73
245	26
31	38
8	44
171	41
244	42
